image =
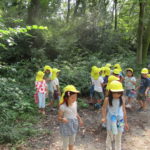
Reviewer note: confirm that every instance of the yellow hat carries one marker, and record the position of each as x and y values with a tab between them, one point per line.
117	66
144	71
110	79
68	88
39	76
129	69
95	73
54	73
108	65
107	71
116	86
93	70
93	67
47	68
116	71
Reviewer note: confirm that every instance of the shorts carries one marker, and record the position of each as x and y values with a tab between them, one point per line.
56	95
98	95
130	93
141	97
92	91
50	96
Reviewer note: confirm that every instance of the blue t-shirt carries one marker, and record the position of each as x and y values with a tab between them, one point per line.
145	82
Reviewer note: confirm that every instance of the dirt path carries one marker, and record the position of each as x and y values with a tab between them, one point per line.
91	136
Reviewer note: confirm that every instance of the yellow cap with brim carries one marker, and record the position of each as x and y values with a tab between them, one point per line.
116	86
68	88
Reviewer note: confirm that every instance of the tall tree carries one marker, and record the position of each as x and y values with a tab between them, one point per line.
68	12
140	31
115	5
33	12
146	43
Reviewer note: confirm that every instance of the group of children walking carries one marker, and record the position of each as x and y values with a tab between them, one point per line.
47	85
107	92
117	99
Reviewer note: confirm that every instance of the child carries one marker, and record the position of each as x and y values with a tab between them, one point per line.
107	74
118	67
41	89
110	79
116	73
130	82
92	84
47	77
143	89
98	88
116	115
55	83
69	117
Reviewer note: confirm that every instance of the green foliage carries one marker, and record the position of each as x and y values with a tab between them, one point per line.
88	38
16	107
82	103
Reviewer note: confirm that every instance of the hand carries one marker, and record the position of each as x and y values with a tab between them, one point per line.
146	93
103	120
81	123
65	120
126	127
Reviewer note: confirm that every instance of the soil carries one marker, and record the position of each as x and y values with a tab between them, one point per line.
92	136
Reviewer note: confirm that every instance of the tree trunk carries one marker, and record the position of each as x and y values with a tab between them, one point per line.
140	32
146	43
68	12
33	12
115	2
76	7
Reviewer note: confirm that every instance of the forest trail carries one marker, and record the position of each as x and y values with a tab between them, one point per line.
91	136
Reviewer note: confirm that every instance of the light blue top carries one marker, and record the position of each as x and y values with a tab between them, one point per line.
114	110
49	83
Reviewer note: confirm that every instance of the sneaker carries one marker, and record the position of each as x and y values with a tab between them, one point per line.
43	112
140	109
128	106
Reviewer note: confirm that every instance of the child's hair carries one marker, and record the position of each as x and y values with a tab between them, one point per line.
130	71
110	97
67	95
116	74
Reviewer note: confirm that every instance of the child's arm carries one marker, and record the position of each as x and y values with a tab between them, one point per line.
104	109
146	92
125	116
61	118
58	89
137	87
133	82
80	120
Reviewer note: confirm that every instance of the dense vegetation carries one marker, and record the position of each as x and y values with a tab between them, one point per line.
71	35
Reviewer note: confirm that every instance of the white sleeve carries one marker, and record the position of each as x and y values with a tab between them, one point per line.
101	80
62	107
134	79
57	82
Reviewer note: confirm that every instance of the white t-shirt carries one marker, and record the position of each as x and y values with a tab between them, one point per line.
129	85
92	80
98	84
55	83
70	112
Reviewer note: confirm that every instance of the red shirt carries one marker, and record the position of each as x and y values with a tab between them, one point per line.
41	86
